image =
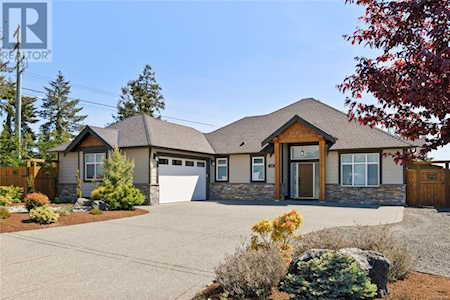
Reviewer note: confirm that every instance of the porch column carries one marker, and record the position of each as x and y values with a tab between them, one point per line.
277	190
323	163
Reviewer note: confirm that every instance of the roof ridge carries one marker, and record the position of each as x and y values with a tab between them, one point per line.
146	128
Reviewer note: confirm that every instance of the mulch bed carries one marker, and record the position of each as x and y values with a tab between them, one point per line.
20	221
418	286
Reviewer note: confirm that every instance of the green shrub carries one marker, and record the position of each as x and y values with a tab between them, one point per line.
376	238
14	192
251	273
330	276
5	200
43	215
123	196
35	200
4	213
95	211
99	192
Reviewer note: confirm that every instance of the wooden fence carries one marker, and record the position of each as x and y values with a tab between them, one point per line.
41	178
428	184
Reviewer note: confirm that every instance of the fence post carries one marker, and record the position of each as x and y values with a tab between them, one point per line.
418	184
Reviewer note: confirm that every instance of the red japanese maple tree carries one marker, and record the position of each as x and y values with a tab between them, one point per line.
410	79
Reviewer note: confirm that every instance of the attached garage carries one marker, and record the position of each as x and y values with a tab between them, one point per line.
181	179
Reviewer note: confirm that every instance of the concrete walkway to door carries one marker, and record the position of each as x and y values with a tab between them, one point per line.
169	253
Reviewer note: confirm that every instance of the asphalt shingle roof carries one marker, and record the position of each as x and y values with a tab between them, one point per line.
245	135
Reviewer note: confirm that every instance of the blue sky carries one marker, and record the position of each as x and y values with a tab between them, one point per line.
216	61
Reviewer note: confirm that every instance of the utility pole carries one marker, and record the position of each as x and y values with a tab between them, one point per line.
19	70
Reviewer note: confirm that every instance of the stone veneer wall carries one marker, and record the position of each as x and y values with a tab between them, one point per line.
67	191
385	194
241	191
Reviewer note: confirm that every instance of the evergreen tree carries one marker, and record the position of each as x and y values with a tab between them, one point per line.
7	109
9	143
142	95
61	115
118	170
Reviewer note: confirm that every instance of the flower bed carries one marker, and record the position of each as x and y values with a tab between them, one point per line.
21	221
418	286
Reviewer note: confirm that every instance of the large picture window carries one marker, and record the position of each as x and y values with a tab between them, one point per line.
222	169
93	166
360	169
258	168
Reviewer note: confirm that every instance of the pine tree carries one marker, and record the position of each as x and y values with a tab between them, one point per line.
142	95
61	114
118	170
7	108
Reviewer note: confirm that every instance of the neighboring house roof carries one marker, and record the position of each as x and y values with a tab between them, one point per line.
246	135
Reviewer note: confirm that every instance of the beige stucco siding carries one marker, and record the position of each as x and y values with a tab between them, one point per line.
332	168
392	172
239	168
67	167
140	157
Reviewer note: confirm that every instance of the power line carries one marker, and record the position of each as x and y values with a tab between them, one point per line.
115	108
75	84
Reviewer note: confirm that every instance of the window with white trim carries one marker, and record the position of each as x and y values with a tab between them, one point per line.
93	166
222	169
360	169
258	168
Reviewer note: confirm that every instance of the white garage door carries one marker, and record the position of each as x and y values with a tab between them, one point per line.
181	179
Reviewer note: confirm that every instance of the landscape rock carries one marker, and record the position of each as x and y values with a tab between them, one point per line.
375	264
100	204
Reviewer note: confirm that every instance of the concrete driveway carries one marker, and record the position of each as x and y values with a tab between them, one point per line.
169	253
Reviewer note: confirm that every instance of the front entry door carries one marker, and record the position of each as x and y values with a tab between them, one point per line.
303	179
306	180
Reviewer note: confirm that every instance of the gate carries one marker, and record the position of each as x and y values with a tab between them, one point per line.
428	184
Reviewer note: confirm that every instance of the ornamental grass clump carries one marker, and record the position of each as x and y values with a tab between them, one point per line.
43	215
96	211
34	200
251	273
329	276
279	233
4	213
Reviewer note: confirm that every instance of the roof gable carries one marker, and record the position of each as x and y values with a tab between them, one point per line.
310	128
97	137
